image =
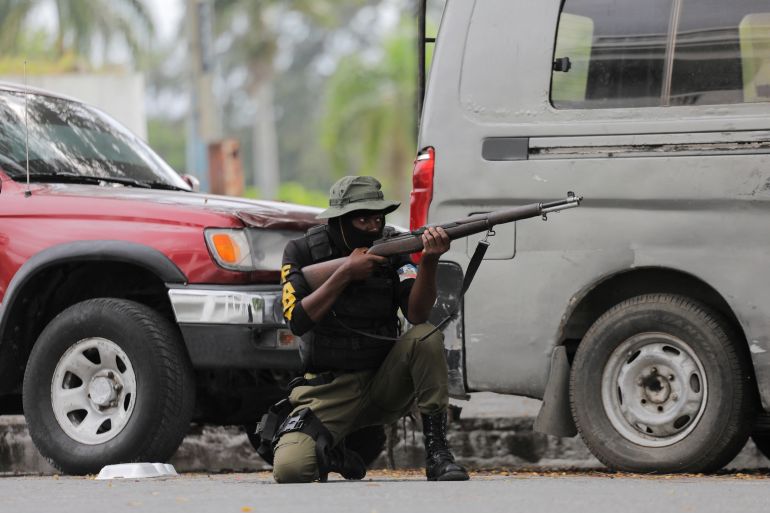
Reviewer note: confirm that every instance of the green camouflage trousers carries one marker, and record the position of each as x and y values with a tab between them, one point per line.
414	369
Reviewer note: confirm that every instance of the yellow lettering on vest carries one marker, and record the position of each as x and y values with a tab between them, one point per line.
288	300
285	272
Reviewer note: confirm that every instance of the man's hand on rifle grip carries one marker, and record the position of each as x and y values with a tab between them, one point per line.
359	265
436	242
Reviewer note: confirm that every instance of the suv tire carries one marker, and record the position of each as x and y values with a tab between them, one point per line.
762	441
108	381
659	384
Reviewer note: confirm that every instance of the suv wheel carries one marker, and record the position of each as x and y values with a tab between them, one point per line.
762	441
108	381
659	384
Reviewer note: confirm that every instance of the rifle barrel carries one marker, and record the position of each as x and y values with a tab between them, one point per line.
411	242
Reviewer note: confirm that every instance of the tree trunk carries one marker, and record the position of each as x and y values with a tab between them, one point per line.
265	143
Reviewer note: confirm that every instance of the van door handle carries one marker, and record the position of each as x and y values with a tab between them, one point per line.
505	148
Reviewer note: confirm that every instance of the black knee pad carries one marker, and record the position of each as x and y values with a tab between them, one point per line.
305	421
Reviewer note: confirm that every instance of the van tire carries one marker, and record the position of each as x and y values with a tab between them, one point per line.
118	365
660	384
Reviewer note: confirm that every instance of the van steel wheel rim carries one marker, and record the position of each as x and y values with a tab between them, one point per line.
654	389
93	391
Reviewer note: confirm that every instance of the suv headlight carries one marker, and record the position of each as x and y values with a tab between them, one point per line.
249	249
230	249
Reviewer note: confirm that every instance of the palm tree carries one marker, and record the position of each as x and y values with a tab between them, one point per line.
12	15
81	24
368	126
254	50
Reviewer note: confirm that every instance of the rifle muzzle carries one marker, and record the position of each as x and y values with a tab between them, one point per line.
572	201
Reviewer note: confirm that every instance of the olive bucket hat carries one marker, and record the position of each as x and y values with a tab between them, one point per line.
353	193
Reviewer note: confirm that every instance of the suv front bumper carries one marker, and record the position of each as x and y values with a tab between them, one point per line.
234	327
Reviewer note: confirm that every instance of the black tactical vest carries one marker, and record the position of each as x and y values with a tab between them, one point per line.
368	306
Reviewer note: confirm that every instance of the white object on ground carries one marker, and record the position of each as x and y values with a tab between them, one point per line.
137	471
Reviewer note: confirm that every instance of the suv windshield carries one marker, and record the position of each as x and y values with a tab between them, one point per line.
69	140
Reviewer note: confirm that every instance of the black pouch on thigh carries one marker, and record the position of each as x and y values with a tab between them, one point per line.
268	427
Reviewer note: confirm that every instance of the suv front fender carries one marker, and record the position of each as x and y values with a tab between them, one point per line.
73	252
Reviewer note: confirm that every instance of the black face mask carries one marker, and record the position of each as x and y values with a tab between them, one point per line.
349	237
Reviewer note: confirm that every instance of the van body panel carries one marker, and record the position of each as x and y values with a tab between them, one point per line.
700	172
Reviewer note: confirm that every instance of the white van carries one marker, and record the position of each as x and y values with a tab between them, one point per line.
643	317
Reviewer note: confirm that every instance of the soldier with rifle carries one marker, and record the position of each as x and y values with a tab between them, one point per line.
343	283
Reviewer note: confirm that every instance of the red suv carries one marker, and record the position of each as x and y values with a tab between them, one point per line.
131	304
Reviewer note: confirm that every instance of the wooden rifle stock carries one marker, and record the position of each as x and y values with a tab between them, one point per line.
411	242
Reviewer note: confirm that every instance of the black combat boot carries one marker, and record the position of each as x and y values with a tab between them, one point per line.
346	462
439	463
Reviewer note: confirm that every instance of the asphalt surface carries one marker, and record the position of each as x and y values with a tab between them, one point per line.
397	492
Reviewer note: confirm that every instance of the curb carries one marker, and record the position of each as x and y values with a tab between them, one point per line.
478	443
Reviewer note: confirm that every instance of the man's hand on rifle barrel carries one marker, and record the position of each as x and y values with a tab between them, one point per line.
359	265
436	242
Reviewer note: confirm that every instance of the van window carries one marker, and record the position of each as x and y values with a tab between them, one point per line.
754	33
622	57
722	52
661	53
575	36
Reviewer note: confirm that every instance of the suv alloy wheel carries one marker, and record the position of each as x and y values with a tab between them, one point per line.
108	381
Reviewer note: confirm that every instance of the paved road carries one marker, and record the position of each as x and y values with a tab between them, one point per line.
383	493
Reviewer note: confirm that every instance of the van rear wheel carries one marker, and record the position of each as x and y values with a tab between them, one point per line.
659	384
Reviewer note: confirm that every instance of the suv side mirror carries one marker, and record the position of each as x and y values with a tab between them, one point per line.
193	182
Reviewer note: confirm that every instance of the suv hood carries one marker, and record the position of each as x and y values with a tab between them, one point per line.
177	205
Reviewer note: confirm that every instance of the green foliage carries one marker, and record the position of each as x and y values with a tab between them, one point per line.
80	21
369	121
35	50
167	138
12	16
294	192
80	24
256	48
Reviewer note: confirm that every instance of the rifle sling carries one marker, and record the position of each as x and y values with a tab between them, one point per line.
473	266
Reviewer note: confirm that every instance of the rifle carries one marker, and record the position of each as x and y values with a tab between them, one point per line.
403	244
